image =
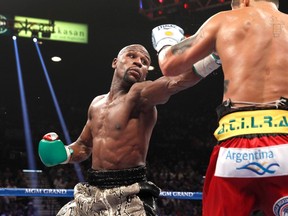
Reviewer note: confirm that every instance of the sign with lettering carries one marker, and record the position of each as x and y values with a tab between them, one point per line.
51	30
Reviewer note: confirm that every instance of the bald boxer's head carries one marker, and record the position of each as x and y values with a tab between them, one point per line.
135	47
132	64
236	3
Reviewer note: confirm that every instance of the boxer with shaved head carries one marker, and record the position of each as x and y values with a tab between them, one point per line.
116	135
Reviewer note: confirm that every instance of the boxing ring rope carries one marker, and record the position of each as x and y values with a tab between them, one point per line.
46	192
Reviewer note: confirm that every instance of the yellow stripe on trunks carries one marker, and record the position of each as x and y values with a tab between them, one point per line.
252	122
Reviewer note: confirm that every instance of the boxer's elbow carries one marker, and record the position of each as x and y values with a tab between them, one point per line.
171	70
166	63
168	69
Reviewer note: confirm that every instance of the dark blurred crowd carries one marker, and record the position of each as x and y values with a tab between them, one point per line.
12	205
172	170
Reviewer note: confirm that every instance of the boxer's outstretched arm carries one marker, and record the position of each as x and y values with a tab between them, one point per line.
159	91
180	58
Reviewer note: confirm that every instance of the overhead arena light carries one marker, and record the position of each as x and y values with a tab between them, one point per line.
56	59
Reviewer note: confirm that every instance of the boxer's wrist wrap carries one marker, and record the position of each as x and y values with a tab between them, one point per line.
69	152
206	65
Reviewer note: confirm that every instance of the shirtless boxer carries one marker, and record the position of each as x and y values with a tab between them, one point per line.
117	135
248	169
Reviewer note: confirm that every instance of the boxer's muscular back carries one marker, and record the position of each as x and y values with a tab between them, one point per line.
254	49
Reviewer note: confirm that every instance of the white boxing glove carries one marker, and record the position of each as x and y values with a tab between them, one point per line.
166	35
207	65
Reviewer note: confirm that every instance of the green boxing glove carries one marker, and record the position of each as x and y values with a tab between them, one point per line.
52	151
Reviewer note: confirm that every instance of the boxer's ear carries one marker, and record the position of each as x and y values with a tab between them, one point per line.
114	63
